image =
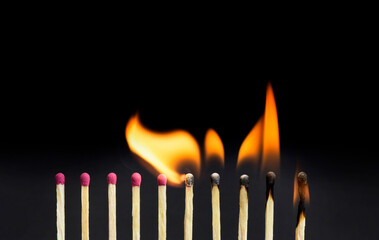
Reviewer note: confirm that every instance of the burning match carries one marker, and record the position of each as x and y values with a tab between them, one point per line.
136	183
112	179
162	206
215	182
302	182
270	181
188	214
84	181
59	180
244	208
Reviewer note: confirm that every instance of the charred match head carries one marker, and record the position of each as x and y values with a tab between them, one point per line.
189	180
244	180
302	181
270	178
84	179
215	179
59	179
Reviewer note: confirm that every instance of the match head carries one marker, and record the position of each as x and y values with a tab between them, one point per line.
59	178
112	178
189	180
162	180
270	178
84	179
244	180
302	179
215	179
136	179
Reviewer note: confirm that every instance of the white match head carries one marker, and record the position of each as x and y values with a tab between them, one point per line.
215	179
59	179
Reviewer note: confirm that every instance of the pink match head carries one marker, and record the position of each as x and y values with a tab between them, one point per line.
112	178
162	180
84	179
59	178
136	179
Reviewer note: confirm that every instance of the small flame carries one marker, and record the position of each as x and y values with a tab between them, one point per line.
251	147
270	146
165	152
214	149
296	190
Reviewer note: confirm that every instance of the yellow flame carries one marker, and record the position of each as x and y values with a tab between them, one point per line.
250	150
214	149
164	152
271	146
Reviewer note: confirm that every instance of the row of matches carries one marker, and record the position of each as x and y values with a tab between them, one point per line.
188	215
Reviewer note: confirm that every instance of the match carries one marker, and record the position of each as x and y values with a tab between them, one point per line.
162	207
244	208
188	214
112	179
59	180
269	216
302	181
136	183
216	225
84	181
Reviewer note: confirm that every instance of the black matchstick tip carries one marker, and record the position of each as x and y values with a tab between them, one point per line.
302	179
270	178
215	179
244	180
189	179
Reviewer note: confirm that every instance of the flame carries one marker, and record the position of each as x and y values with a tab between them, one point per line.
251	147
296	190
214	149
165	152
270	146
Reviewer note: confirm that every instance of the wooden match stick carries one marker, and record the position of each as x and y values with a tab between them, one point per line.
136	183
244	208
162	206
84	181
270	181
188	215
302	182
59	180
112	179
216	225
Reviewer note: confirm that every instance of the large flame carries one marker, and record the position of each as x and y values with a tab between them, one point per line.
270	146
251	148
214	149
164	152
263	139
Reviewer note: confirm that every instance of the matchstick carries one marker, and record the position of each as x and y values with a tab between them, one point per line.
136	183
269	217
188	215
84	181
302	183
216	226
244	208
162	207
112	179
59	180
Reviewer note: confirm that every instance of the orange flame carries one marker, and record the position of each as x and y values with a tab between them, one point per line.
263	139
305	190
165	152
214	149
271	146
251	147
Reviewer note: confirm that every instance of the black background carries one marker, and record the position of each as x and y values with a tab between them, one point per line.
65	105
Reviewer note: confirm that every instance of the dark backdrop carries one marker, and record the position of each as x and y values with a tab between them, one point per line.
64	109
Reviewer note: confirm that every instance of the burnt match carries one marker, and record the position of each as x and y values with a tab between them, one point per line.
269	215
188	214
216	226
302	183
244	207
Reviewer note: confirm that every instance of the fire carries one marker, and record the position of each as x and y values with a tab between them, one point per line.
270	148
165	152
263	139
214	149
304	190
251	147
